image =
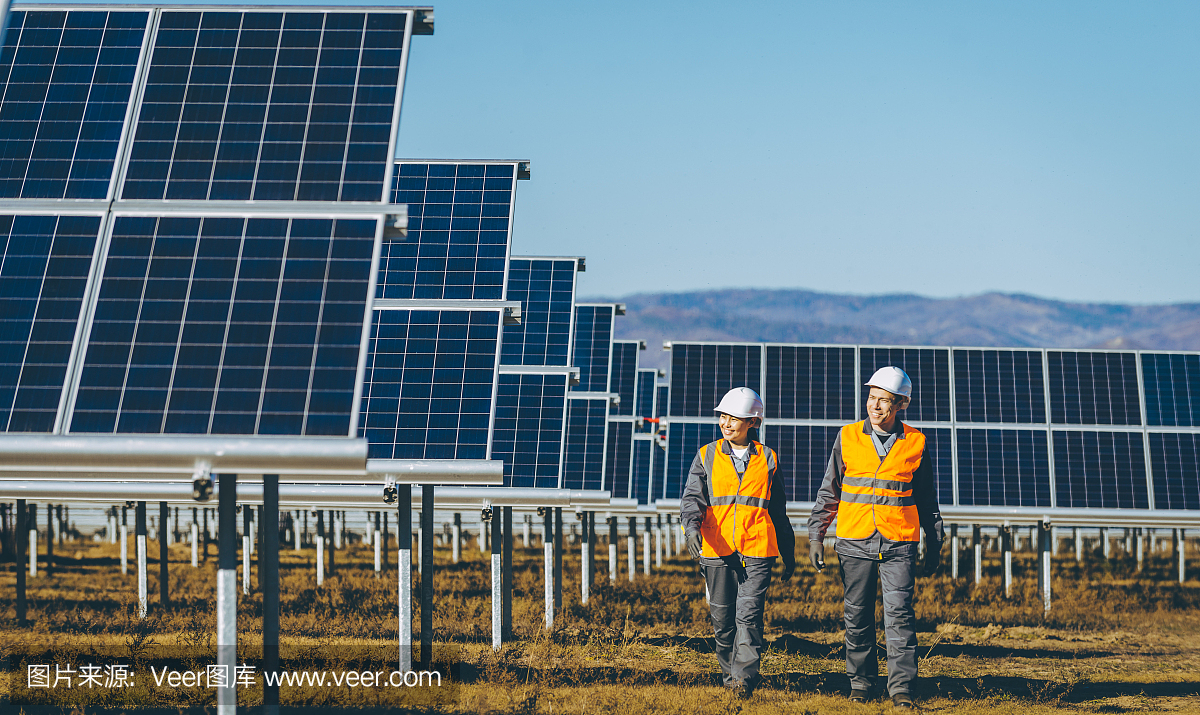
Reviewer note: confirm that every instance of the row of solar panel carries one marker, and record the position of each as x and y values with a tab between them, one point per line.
981	385
232	105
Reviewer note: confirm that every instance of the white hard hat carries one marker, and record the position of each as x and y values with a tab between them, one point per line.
741	402
892	379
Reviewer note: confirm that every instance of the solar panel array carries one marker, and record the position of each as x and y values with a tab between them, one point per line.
145	293
1004	427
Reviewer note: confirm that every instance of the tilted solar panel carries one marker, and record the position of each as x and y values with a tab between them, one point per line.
1103	470
1172	387
1003	467
263	105
701	374
227	325
430	383
618	456
644	403
999	386
643	455
1094	388
1175	464
623	376
528	434
658	471
929	369
459	226
546	291
939	452
592	349
66	77
810	383
686	439
803	454
586	443
661	402
44	267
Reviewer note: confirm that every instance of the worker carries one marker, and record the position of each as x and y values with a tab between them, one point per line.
881	489
733	513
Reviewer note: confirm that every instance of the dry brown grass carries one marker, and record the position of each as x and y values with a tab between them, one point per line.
1116	640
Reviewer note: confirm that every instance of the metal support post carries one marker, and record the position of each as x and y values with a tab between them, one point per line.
268	577
548	558
612	548
658	543
124	541
497	569
245	549
646	546
49	539
378	547
386	538
558	558
195	531
525	531
205	534
456	538
1141	548
1006	548
404	573
591	525
584	561
1077	536
977	548
227	592
631	546
1045	560
427	576
1181	553
164	553
506	560
332	542
485	535
19	556
954	551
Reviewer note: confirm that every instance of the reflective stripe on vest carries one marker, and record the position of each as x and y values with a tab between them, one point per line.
737	519
877	495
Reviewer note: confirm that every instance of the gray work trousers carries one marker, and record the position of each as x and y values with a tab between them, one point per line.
897	572
736	597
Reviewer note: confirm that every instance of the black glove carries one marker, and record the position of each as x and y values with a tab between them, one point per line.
933	559
816	555
694	545
789	568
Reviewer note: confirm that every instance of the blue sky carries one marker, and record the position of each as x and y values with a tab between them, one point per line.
940	148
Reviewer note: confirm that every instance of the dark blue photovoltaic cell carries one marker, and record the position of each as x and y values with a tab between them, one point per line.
429	383
1175	464
546	290
658	467
267	106
702	374
617	461
583	461
592	346
1003	468
940	453
803	454
527	436
623	377
643	454
65	91
1172	385
44	265
227	326
929	370
660	404
810	383
1100	470
458	231
685	440
1094	388
644	404
999	386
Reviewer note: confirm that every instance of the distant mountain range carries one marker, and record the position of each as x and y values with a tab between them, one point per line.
986	320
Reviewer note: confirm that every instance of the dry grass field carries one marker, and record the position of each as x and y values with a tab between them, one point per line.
1116	640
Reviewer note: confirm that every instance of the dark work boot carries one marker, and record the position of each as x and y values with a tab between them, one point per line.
859	696
902	700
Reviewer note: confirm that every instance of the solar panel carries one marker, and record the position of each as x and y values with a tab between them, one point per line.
65	79
545	288
1175	464
528	434
592	349
929	369
263	105
44	267
430	382
686	439
939	453
459	226
661	402
1003	467
643	455
805	382
999	386
623	376
618	457
1094	388
803	453
227	325
644	403
701	374
1105	470
658	471
586	443
1172	387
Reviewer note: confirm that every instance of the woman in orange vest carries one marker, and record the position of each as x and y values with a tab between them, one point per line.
734	513
882	491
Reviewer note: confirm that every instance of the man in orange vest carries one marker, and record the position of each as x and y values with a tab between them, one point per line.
881	489
734	513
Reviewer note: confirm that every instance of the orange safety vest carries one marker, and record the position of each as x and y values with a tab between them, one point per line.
737	519
877	495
